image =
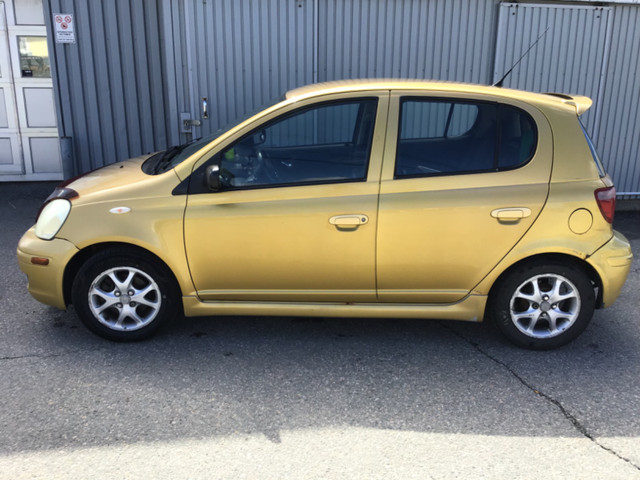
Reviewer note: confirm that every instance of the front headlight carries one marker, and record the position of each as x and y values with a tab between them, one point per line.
52	217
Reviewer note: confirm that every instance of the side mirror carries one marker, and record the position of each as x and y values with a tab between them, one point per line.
212	177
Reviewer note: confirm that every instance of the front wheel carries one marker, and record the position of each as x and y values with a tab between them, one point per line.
123	297
543	306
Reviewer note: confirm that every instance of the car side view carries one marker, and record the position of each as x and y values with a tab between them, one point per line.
367	198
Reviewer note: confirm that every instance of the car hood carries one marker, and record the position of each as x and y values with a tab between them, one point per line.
122	180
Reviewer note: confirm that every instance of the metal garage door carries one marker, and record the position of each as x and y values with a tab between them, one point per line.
242	55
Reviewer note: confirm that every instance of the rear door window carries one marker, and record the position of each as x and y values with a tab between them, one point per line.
444	137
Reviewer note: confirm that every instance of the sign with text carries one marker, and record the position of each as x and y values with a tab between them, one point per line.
63	27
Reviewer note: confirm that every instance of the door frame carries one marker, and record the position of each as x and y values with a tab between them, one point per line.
7	84
20	132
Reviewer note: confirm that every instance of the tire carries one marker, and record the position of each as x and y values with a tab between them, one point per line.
124	296
542	306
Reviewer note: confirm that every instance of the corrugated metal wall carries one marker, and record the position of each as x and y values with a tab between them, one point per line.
561	61
113	88
247	53
251	52
618	139
138	67
434	39
172	44
589	50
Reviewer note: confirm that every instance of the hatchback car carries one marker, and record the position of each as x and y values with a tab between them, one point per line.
381	198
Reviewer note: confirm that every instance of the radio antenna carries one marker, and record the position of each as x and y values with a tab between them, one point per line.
499	82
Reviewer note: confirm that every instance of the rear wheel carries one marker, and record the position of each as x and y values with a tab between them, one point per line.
123	296
542	306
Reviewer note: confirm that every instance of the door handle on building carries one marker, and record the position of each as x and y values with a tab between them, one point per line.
205	107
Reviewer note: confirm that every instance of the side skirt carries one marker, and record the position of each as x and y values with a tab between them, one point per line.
470	308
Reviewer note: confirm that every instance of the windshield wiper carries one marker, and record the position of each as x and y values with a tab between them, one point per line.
169	154
160	162
164	158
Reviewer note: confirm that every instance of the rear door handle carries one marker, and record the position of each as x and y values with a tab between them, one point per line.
511	214
349	220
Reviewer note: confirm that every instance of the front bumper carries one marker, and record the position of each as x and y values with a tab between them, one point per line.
612	262
45	281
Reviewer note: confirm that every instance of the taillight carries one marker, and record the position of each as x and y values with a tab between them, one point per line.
606	198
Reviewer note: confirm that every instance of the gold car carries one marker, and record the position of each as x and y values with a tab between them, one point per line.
377	198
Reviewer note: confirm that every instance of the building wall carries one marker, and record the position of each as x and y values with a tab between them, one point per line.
245	54
139	69
116	87
435	39
618	136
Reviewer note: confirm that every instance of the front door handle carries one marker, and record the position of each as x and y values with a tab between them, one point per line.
353	220
511	214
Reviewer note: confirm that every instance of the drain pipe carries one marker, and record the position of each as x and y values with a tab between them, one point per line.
66	154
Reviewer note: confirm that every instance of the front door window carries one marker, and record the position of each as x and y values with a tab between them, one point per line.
326	143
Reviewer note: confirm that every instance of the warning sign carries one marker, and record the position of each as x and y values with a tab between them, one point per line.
64	28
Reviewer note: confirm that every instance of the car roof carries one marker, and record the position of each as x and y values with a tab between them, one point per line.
577	103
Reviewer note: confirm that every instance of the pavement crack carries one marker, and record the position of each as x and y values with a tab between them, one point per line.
566	413
40	355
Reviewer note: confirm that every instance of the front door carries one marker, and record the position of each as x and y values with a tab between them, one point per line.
295	218
463	180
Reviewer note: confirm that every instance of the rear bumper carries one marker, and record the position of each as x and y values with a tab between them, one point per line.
45	281
612	262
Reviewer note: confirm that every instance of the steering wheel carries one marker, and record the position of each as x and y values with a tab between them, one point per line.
265	171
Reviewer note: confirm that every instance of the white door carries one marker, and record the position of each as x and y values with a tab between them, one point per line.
29	146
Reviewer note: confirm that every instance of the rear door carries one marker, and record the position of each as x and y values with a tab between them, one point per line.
463	180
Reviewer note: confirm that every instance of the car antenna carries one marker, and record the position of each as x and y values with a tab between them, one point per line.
499	82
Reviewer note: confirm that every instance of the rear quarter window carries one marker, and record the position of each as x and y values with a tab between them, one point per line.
594	154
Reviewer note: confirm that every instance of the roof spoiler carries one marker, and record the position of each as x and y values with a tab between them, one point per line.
581	102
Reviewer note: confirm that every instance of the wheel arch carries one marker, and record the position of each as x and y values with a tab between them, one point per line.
583	265
74	265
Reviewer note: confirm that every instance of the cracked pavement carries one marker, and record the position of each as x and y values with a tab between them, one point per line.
310	398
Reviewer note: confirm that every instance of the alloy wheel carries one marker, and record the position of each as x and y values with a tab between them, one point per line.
545	305
124	298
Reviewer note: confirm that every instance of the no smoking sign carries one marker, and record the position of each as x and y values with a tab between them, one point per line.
64	28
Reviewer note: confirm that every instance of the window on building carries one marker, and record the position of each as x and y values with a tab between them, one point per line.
34	57
28	12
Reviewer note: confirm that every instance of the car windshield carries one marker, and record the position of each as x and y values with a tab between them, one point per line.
173	156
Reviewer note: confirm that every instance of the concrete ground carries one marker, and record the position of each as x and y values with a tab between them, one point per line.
271	398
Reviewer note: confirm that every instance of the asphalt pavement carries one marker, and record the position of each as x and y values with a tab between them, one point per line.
280	398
